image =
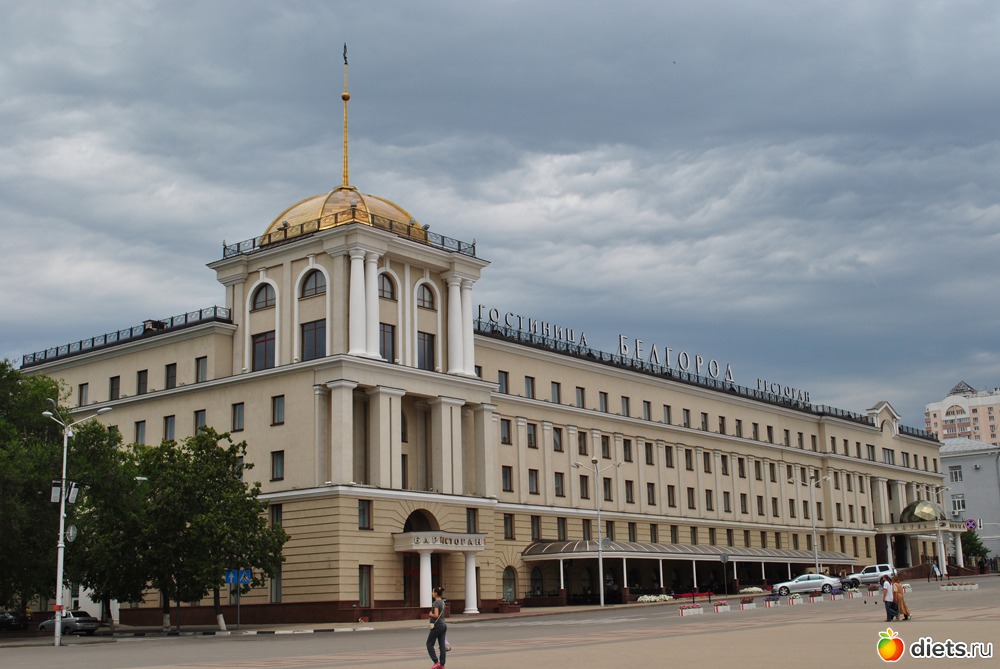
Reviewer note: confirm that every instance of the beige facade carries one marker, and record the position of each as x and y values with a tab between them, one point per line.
403	438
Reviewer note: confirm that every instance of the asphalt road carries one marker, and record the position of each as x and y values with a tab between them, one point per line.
827	634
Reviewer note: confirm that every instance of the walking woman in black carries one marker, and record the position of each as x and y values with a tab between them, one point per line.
438	628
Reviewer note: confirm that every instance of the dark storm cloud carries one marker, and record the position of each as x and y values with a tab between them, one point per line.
807	190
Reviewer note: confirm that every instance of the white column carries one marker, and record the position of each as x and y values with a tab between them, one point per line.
356	314
456	350
486	465
471	597
425	578
446	445
384	437
321	439
562	576
371	304
694	574
467	329
342	430
662	587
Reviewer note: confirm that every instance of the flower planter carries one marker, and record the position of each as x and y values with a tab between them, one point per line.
722	609
751	605
853	595
792	601
834	598
814	600
691	612
771	603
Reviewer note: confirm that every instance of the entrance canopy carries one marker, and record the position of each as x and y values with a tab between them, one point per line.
560	550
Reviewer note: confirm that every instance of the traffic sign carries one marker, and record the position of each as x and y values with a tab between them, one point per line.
970	524
241	576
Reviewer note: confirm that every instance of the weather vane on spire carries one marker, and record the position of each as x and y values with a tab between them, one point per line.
345	96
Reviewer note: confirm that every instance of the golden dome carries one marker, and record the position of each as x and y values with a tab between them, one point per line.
342	205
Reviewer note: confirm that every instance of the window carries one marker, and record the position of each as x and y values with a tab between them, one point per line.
507	478
727	501
627	450
711	536
739	428
315	284
850	513
755	431
508	526
805	509
647	410
141	382
840	512
278	410
536	528
955	473
888	456
741	467
314	340
722	424
581	443
724	464
587	529
651	494
584	486
626	406
668	456
602	401
772	470
709	503
238	413
864	514
775	511
694	536
605	446
532	432
425	351
795	542
791	508
505	431
707	462
82	394
425	298
770	434
704	421
609	529
654	533
557	439
263	350
957	504
561	529
560	485
200	420
556	393
629	492
689	459
666	414
607	489
364	585
277	465
686	418
533	481
763	539
871	451
671	496
201	369
114	387
503	382
168	427
529	387
691	499
386	288
140	432
633	532
263	297
760	505
472	520
387	341
581	397
744	503
649	452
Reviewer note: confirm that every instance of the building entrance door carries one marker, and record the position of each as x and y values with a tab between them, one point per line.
411	577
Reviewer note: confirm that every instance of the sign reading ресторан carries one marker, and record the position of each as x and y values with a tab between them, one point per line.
438	541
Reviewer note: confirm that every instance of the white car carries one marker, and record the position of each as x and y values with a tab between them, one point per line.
807	583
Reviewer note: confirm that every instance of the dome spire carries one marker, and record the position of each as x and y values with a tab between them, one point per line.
345	96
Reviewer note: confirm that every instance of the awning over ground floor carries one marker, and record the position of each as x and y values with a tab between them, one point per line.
559	550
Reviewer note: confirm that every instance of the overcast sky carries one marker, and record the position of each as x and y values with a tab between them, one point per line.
807	191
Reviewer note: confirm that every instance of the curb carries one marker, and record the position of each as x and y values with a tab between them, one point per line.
129	635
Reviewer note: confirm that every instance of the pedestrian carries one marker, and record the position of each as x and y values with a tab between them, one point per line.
888	599
937	572
899	597
438	628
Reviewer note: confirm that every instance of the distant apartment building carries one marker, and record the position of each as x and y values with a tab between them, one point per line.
965	412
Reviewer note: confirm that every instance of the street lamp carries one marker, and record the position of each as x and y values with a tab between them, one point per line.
813	483
61	545
597	502
942	554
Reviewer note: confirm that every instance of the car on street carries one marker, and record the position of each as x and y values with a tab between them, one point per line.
12	620
73	622
873	573
807	583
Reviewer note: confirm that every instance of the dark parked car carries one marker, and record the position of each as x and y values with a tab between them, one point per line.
73	622
11	620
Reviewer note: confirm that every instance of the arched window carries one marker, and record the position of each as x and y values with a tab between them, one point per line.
509	584
315	284
425	298
386	288
264	297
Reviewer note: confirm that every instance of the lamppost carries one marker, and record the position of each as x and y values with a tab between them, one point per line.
942	554
61	545
813	483
597	502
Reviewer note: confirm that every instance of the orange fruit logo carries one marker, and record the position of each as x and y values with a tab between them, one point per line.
890	646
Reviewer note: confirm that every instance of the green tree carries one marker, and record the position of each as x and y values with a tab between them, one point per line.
30	458
972	547
202	518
